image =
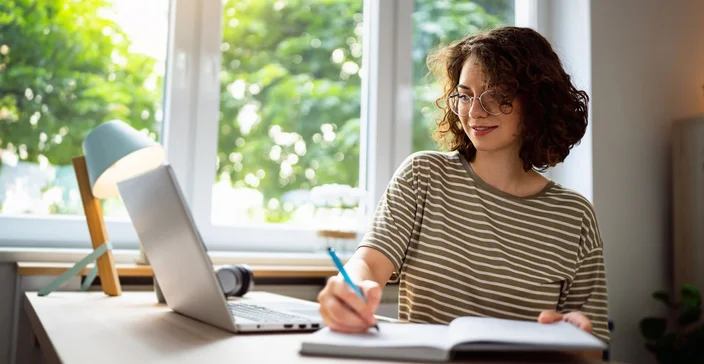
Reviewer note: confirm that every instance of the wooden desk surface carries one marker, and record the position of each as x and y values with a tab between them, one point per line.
89	327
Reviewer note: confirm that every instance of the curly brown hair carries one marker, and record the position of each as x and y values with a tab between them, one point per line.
517	62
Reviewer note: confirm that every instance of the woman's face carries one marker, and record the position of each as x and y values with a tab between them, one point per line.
489	130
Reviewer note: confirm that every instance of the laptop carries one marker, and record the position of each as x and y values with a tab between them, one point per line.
183	269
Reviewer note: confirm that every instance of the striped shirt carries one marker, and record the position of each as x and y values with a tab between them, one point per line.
461	247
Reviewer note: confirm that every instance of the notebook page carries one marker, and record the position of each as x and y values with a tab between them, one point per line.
390	335
521	333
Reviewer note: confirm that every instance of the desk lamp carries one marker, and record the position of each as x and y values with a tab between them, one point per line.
113	152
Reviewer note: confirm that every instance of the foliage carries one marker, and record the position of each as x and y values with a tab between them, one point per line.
64	70
307	107
682	344
290	85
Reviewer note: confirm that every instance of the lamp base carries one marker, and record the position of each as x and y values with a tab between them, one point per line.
77	268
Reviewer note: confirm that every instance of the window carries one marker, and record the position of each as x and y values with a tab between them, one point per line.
256	102
289	108
436	22
65	67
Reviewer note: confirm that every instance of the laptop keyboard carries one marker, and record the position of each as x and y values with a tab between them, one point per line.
263	314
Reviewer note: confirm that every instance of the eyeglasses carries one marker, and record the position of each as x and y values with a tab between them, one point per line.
490	101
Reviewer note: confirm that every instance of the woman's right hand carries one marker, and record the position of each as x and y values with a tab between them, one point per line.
343	310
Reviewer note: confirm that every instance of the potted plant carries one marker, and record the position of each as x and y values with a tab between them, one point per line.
679	339
339	215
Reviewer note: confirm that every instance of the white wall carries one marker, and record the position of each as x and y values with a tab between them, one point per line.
573	48
647	70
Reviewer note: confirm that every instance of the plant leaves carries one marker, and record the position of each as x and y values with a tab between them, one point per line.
652	328
690	348
666	351
689	315
662	296
696	338
690	297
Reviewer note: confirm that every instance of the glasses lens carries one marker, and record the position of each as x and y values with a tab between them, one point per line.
491	103
452	102
460	104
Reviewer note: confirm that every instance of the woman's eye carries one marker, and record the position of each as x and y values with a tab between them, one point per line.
464	97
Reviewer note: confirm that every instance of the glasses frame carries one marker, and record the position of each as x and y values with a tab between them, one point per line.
471	103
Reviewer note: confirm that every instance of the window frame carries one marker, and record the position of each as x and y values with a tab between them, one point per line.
71	231
190	132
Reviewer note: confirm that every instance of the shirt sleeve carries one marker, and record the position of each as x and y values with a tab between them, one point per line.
587	291
394	218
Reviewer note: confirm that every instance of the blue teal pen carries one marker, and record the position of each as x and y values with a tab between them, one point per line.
342	270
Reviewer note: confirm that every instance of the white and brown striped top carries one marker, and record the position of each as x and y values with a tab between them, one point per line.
461	247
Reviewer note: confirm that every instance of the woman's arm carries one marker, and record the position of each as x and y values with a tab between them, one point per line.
381	251
586	301
369	264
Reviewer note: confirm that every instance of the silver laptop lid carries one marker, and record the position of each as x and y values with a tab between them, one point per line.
174	247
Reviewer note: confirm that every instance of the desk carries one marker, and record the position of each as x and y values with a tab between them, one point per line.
89	327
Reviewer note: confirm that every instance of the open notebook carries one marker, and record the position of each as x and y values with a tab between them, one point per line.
427	342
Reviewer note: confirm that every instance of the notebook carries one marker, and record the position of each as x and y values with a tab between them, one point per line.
431	342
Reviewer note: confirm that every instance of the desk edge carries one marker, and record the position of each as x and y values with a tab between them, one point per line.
46	346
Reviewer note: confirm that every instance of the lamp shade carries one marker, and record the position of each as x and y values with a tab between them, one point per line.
115	151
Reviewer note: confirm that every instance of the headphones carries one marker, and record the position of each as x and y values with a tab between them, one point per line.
235	280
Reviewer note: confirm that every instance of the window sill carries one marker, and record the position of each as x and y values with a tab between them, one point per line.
43	261
133	270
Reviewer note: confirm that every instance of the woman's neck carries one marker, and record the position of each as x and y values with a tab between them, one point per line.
505	172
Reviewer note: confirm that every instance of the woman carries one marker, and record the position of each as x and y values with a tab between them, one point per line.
477	231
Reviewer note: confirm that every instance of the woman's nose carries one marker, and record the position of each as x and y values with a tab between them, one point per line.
476	111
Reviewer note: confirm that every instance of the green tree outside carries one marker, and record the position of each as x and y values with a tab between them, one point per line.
63	71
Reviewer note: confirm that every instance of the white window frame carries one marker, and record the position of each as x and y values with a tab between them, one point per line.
190	134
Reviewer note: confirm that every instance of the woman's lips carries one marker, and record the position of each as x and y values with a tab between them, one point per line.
483	130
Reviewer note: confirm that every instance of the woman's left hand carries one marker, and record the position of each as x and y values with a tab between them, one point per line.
575	318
